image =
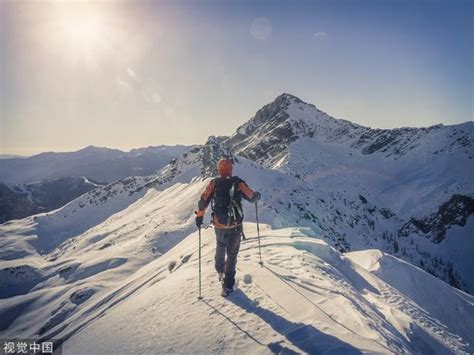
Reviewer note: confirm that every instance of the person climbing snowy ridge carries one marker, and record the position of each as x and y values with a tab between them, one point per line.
226	193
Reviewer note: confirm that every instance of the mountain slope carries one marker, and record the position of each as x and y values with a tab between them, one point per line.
43	258
22	200
413	169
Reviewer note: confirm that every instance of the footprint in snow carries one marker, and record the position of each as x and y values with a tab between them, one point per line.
247	279
185	259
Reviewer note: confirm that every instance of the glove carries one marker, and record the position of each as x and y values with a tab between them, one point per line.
256	196
199	221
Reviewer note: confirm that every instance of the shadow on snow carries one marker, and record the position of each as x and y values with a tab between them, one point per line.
303	336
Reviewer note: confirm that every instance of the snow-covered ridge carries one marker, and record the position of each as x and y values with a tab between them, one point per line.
308	298
103	295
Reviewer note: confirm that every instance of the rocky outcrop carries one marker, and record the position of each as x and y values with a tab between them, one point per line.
456	211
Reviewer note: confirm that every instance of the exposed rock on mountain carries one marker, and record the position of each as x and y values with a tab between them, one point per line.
19	201
456	211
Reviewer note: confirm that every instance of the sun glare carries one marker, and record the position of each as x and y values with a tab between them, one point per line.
81	36
84	31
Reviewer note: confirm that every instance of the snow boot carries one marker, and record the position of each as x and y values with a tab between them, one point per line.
226	291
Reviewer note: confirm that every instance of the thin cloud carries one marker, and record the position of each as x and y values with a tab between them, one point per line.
320	35
261	28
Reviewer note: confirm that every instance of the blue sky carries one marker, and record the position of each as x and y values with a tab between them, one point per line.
130	74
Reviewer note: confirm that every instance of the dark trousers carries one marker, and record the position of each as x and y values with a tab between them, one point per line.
228	242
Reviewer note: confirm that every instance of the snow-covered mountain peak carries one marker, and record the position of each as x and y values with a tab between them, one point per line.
276	113
267	137
284	100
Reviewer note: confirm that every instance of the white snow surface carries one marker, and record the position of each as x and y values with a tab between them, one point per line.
307	298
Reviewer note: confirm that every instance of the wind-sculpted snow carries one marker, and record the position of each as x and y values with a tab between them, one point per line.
307	298
353	199
437	299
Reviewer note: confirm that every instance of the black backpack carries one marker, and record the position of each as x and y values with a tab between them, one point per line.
227	201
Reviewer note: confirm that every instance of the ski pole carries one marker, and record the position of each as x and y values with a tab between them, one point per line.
199	297
258	235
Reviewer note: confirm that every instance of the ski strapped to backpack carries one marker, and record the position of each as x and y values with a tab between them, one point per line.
234	211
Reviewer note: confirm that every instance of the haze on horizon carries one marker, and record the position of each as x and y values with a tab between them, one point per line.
132	74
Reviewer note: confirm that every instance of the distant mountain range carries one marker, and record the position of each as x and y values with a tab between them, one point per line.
11	156
99	164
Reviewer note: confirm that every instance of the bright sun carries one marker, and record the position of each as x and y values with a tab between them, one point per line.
80	36
84	31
